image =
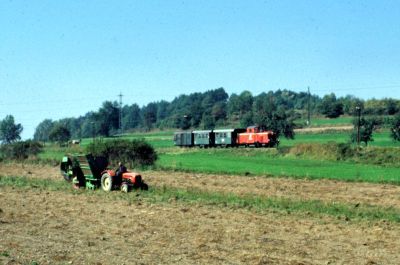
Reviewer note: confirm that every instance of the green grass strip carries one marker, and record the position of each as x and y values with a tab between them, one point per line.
166	194
248	162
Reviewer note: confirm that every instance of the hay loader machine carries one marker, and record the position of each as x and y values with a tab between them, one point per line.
92	172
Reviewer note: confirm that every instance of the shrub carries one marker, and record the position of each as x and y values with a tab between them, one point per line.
346	152
395	128
20	150
331	150
134	152
366	126
379	156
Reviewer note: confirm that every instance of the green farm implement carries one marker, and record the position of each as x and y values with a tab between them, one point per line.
92	172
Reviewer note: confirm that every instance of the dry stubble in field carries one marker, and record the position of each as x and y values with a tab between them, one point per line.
61	227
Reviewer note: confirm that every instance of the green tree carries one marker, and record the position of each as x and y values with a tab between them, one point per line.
88	125
42	131
130	117
60	134
207	121
268	115
9	131
162	110
350	103
218	112
184	123
391	106
246	119
367	127
395	128
374	107
107	118
240	105
330	106
150	115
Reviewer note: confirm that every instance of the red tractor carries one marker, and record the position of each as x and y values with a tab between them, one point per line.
92	172
126	181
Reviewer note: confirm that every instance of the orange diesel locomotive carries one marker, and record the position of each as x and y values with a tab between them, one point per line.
256	136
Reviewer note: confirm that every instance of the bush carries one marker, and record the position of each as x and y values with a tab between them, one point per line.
134	152
331	150
395	128
367	126
346	152
20	150
380	156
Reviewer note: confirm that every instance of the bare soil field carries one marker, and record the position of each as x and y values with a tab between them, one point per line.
325	190
49	227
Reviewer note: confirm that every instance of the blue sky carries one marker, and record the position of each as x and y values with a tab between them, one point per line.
64	58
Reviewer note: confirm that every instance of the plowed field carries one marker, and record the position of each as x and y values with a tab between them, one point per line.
57	227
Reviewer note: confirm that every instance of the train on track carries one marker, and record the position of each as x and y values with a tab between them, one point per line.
252	136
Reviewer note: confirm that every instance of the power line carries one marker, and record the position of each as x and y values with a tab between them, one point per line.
85	99
309	107
48	102
120	113
8	103
357	88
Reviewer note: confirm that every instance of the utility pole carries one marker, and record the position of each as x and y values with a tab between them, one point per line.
120	113
358	109
309	107
93	132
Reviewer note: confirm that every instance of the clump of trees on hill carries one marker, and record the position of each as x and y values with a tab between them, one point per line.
9	130
215	108
11	147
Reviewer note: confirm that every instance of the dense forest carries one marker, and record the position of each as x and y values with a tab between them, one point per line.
211	109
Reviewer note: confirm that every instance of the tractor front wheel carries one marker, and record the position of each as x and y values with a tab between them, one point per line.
75	183
106	182
124	187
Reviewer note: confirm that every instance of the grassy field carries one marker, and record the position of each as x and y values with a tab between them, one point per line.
159	139
381	139
55	152
327	122
321	121
247	161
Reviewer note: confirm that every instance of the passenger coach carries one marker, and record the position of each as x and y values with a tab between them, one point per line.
227	137
203	138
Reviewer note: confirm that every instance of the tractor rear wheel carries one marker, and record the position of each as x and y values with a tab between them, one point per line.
144	186
106	182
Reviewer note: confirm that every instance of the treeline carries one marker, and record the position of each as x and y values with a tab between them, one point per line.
213	108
